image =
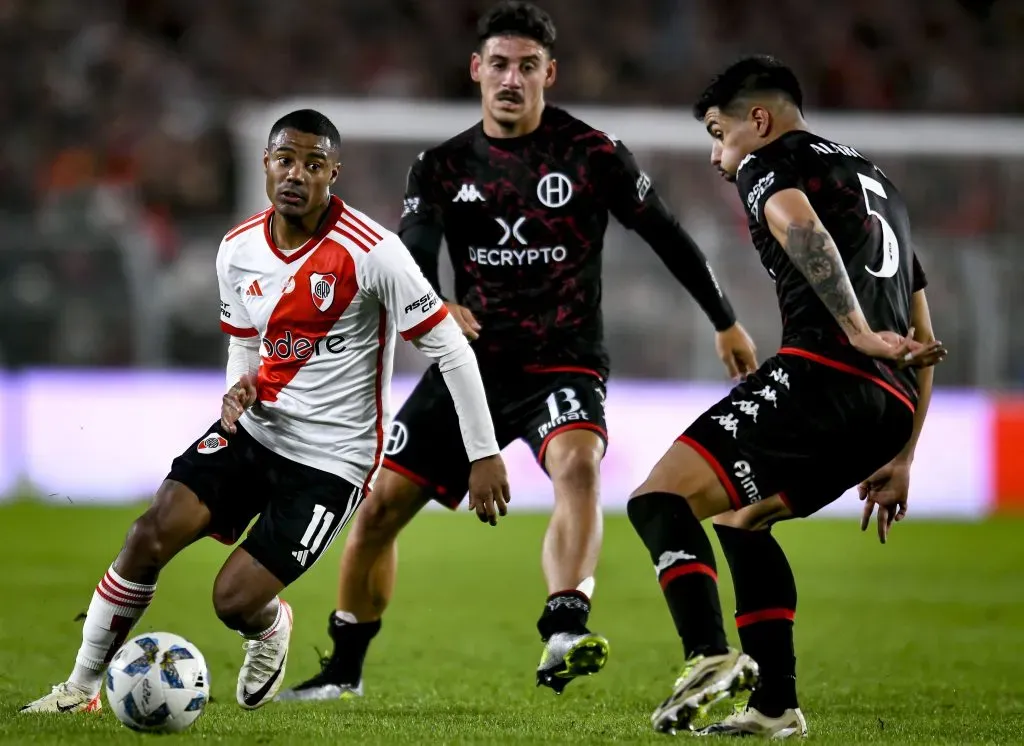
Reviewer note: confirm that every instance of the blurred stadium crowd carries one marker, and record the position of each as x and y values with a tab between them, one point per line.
118	172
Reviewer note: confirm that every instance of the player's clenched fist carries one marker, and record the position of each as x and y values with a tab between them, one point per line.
488	489
239	398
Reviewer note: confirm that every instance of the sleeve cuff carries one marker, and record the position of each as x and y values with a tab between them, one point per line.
426	325
235	331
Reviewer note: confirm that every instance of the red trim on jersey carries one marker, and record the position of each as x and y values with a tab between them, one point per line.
679	570
797	352
235	331
382	330
250	222
765	615
564	429
722	474
562	369
333	212
426	325
296	317
358	231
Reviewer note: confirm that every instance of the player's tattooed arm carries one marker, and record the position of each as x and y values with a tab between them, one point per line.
813	253
811	249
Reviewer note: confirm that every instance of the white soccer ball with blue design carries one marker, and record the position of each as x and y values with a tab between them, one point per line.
158	682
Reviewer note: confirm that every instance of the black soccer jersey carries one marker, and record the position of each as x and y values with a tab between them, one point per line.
866	217
524	219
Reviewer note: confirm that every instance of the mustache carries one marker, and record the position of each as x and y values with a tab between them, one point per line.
511	96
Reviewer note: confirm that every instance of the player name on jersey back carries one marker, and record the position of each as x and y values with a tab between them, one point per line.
867	219
326	336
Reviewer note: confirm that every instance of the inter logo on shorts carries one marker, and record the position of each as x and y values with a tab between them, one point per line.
212	443
322	289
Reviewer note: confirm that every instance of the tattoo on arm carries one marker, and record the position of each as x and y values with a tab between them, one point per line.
817	258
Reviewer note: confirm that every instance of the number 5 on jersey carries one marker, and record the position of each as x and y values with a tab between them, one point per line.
890	246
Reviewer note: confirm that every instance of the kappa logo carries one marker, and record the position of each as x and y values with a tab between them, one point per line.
212	443
322	289
670	559
469	193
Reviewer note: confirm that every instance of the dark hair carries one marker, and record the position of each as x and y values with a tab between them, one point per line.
515	18
756	74
310	122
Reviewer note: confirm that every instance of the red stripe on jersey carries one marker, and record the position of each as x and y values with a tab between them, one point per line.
358	240
297	318
360	226
250	222
235	331
426	325
382	330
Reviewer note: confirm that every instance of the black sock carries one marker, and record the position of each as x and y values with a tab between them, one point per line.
351	641
765	607
685	564
565	611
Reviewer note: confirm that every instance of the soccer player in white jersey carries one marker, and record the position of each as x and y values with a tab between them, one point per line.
312	295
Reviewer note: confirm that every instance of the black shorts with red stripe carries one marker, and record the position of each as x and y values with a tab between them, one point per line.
424	443
804	427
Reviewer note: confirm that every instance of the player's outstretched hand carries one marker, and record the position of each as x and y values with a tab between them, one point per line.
239	398
465	319
736	350
906	351
488	489
887	489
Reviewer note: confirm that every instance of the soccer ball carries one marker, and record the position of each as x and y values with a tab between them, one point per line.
158	682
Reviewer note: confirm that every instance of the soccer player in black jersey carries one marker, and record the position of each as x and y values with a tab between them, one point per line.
841	403
523	200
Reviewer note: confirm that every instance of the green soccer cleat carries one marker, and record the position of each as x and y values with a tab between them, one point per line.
567	656
704	682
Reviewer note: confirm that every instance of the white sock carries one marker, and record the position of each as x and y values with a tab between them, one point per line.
116	605
269	631
586	587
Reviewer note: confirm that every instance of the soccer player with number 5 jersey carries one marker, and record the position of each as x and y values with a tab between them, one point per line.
840	404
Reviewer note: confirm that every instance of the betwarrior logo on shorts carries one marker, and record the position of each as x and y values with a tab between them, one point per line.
290	347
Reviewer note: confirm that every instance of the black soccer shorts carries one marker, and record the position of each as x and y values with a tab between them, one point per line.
425	445
803	427
301	509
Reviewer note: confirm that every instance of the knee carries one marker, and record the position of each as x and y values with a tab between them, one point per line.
145	544
384	512
577	470
231	604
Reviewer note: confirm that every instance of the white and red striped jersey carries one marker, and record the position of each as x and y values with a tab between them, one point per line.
326	314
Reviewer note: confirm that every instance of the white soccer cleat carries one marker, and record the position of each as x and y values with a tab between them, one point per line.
262	672
704	681
65	697
750	722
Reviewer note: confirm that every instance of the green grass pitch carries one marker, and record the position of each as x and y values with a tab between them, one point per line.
918	641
